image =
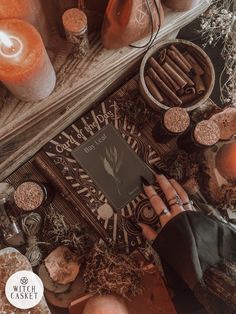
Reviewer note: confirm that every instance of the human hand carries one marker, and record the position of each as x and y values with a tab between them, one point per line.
177	200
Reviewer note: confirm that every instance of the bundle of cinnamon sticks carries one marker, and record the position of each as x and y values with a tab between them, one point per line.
174	77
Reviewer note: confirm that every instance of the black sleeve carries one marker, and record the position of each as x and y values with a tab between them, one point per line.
191	242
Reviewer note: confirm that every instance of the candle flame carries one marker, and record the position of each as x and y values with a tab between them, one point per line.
5	40
10	46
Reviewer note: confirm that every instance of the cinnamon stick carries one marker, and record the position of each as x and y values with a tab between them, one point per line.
179	71
163	74
187	98
164	88
167	101
189	95
153	89
190	90
181	56
180	92
172	54
195	65
199	84
161	56
176	77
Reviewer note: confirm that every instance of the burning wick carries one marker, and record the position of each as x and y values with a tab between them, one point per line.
11	46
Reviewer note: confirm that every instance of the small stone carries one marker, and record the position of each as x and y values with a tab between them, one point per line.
105	211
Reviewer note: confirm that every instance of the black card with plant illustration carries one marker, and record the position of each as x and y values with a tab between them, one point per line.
113	165
72	173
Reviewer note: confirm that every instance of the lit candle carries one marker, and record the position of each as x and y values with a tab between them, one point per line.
28	10
25	68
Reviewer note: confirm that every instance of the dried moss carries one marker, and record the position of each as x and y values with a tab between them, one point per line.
108	272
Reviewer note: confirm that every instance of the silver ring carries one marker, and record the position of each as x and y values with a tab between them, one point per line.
188	203
153	195
164	211
177	201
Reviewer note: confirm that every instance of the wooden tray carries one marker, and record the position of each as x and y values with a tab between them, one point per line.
60	167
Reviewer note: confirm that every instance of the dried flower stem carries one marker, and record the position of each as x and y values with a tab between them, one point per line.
219	24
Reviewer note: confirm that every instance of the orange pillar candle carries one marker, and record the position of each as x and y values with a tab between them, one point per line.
25	68
28	10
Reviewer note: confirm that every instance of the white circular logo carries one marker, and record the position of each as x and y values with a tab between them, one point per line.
24	289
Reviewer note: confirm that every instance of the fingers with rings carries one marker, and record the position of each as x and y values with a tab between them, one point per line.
187	203
172	196
175	200
158	205
178	201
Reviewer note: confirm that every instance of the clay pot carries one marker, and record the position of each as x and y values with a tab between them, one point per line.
126	22
178	5
226	161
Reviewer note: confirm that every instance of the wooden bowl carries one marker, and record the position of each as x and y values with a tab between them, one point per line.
208	77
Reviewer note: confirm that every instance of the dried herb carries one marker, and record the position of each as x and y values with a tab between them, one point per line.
60	232
218	26
180	166
134	109
108	272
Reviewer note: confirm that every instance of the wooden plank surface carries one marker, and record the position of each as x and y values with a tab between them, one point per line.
26	127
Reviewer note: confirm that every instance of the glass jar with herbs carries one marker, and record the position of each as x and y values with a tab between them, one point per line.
174	122
9	227
205	134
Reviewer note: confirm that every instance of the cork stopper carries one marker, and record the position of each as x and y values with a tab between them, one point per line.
29	195
74	20
176	120
207	133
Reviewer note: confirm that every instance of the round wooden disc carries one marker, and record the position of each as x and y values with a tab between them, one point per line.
48	283
63	300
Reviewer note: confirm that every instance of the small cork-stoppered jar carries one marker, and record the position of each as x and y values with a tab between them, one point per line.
9	227
76	29
205	134
175	121
32	195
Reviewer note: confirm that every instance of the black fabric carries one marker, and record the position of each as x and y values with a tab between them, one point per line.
184	299
191	242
